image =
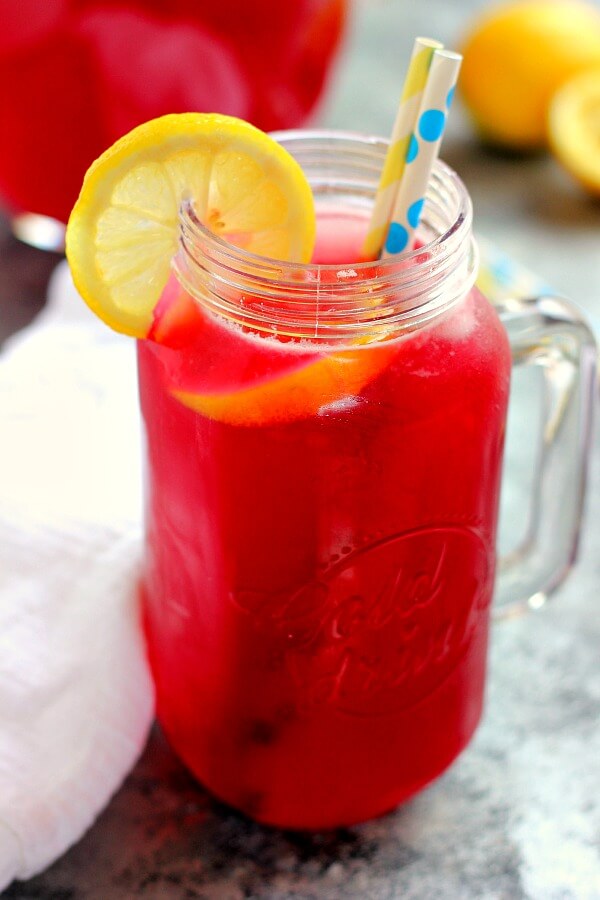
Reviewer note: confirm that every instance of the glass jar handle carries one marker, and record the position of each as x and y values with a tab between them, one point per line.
551	333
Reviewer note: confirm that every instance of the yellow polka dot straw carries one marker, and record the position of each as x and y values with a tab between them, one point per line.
423	150
410	101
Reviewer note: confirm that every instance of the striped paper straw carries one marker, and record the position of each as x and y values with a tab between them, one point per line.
423	151
410	101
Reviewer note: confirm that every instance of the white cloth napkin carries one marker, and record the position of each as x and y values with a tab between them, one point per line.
76	698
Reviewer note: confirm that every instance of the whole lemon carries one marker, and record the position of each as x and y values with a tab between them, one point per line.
574	128
515	58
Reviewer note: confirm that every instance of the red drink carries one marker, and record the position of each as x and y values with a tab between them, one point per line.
77	74
318	584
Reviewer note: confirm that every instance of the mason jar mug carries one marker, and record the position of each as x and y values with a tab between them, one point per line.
324	458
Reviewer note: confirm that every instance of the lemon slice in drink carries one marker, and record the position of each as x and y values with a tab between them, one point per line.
297	394
123	230
574	128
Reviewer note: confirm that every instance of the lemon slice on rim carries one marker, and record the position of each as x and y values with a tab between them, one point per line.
123	231
574	128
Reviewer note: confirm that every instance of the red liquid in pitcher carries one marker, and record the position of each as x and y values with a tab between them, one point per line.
77	74
317	590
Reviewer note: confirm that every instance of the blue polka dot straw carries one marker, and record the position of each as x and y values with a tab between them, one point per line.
423	150
403	145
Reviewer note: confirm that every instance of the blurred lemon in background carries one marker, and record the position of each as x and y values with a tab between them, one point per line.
574	128
516	56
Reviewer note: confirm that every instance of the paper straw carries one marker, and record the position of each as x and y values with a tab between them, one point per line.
423	152
404	126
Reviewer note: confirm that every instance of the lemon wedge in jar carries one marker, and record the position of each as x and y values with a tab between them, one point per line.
123	235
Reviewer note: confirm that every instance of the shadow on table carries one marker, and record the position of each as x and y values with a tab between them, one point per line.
535	185
24	275
164	836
